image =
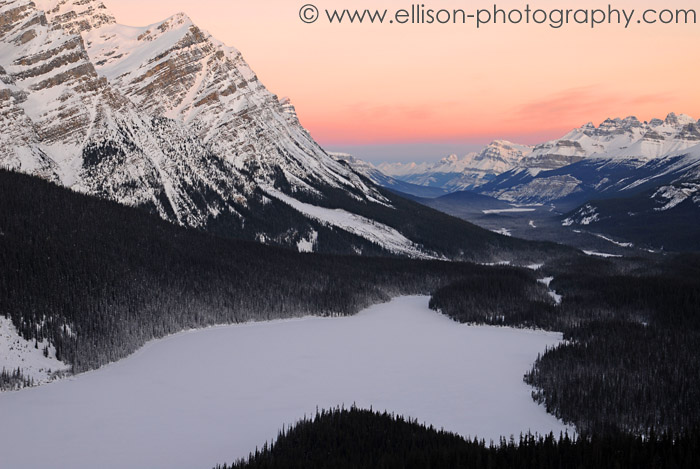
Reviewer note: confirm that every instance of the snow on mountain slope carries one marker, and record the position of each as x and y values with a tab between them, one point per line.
400	170
371	230
684	173
671	196
36	361
620	154
510	171
659	209
164	117
19	138
363	167
54	83
175	69
619	139
66	123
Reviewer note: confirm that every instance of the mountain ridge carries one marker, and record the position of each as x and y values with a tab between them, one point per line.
167	118
625	139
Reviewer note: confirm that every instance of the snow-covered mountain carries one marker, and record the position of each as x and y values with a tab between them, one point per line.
64	121
176	70
658	207
454	173
617	138
375	175
593	160
167	118
632	180
506	170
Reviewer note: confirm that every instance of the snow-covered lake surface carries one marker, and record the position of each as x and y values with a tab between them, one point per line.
205	397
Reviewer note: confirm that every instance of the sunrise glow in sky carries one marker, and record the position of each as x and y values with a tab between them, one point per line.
426	88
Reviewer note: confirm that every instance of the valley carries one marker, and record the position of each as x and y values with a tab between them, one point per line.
630	183
187	273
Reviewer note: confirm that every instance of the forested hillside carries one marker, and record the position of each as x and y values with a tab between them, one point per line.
362	439
99	279
631	360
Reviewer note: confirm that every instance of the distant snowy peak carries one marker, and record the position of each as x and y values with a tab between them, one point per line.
459	173
594	159
403	169
499	156
617	138
375	175
628	140
673	176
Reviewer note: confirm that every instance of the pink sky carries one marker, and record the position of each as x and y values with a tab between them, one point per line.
376	84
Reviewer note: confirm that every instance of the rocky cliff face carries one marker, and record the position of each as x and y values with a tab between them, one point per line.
167	118
67	123
176	70
617	138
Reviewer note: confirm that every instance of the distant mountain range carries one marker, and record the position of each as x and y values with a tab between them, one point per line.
454	173
389	182
167	118
592	160
627	140
653	164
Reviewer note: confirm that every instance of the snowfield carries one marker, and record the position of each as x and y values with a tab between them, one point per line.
507	210
600	254
16	352
204	397
383	235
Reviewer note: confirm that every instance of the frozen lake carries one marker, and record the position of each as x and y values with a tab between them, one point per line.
204	397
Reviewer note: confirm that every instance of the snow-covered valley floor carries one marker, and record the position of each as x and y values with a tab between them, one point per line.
204	397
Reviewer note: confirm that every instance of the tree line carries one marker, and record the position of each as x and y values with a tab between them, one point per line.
364	439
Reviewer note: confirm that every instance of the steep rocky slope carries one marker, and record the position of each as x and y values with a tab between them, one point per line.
167	118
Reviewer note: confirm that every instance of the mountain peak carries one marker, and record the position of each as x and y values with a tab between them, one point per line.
451	159
631	121
508	145
679	119
501	143
178	20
